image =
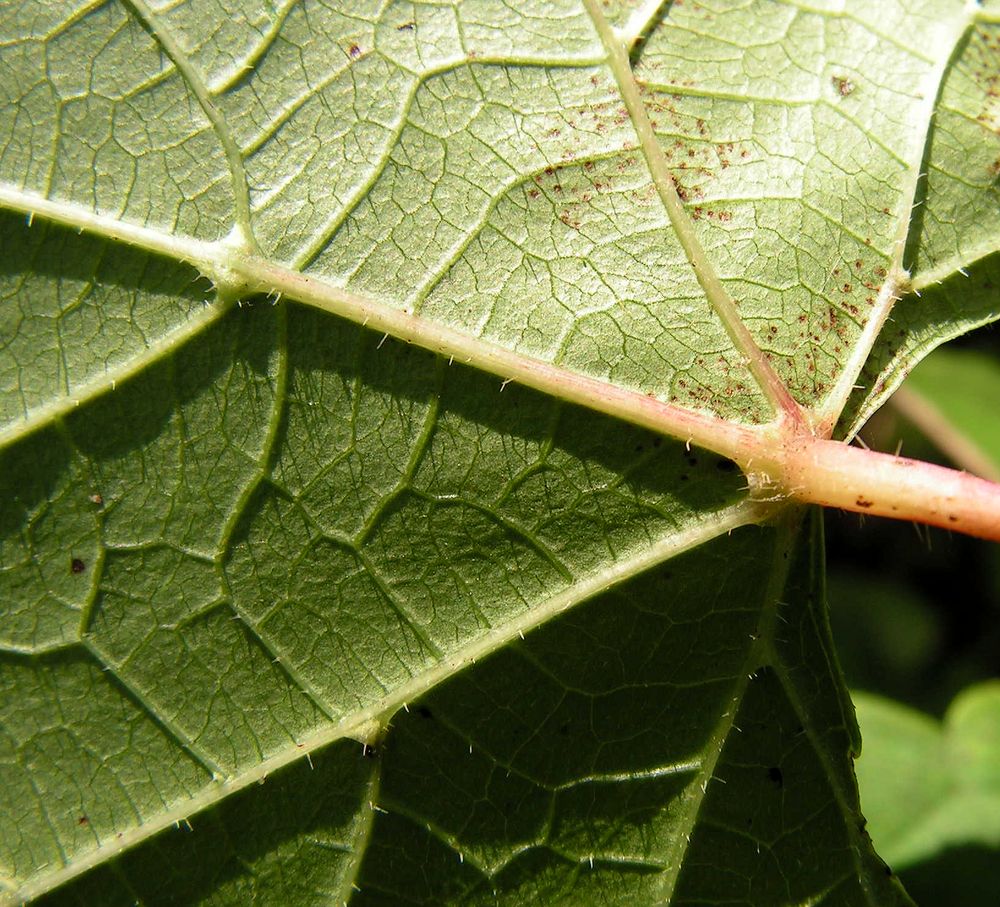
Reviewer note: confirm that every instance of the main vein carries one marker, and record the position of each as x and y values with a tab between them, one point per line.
238	273
784	405
359	725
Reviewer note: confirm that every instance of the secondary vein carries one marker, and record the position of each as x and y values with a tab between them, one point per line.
784	405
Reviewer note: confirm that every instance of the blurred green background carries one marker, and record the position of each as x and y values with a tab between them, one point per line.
916	616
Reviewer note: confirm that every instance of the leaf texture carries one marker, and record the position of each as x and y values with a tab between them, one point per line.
477	643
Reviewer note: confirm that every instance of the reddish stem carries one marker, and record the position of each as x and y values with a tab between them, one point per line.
833	474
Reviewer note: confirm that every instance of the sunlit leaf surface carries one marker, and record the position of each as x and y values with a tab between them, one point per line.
298	613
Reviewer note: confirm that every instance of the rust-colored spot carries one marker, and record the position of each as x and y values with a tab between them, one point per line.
843	85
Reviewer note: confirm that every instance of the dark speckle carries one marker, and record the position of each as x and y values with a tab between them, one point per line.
77	566
424	712
775	776
726	465
863	503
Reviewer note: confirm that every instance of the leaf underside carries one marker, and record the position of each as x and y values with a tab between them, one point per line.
477	644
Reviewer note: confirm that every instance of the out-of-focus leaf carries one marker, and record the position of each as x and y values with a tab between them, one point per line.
929	786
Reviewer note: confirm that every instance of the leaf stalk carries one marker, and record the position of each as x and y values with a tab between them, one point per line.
834	474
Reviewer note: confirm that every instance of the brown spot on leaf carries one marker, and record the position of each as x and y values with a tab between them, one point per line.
843	85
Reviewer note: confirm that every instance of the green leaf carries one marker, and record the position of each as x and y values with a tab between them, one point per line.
929	786
298	611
